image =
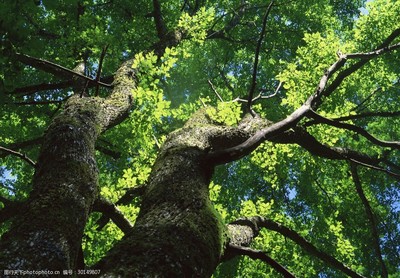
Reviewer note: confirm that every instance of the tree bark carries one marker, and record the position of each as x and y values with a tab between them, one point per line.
47	234
178	233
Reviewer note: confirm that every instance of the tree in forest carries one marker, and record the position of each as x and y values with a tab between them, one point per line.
200	138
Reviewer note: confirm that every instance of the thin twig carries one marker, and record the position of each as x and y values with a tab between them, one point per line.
261	96
380	169
20	155
214	90
367	115
55	68
321	119
38	102
103	54
361	106
32	89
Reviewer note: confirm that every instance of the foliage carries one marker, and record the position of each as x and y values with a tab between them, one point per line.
312	195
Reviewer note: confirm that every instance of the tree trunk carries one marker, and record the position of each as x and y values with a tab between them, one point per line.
177	233
47	234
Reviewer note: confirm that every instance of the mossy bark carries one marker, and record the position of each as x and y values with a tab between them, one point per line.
47	234
178	233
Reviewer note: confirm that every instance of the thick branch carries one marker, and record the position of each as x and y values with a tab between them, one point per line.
313	102
158	19
372	54
130	194
109	152
111	211
166	38
245	148
371	219
307	141
126	199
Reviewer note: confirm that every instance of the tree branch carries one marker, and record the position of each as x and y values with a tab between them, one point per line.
320	119
159	21
313	102
130	194
235	250
112	212
20	155
32	89
307	141
377	168
233	22
372	54
305	244
21	145
103	54
46	102
365	57
367	115
371	218
256	59
361	106
113	154
214	90
126	199
55	69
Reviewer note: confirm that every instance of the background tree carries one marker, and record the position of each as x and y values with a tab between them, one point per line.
203	130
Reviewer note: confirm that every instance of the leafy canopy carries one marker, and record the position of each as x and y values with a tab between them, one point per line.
213	66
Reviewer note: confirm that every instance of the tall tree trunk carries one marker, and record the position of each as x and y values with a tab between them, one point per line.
47	234
178	233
